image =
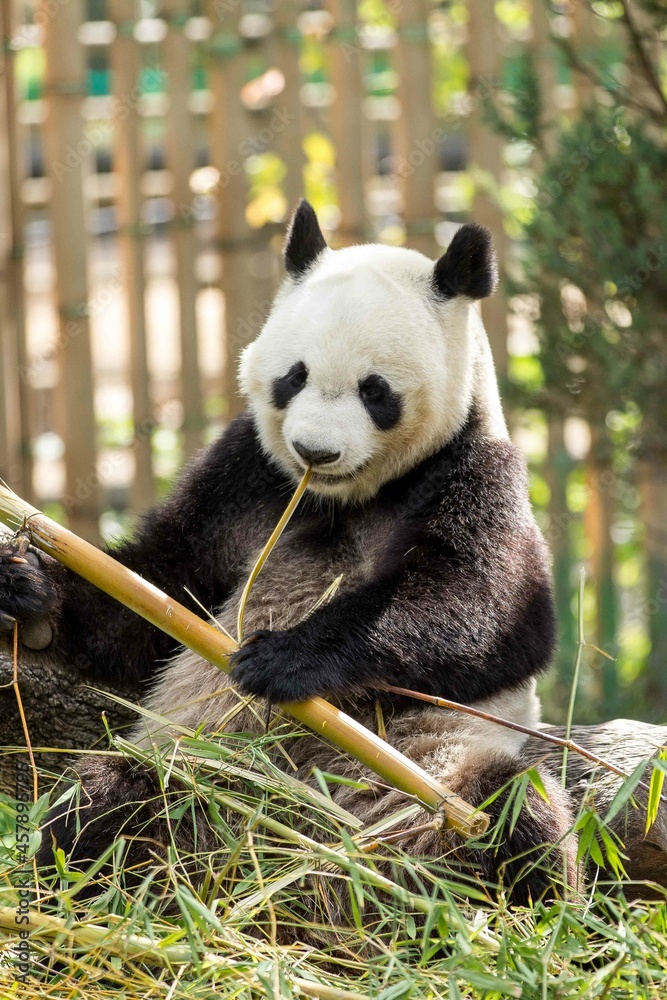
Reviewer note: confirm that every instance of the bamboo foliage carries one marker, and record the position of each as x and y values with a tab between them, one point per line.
186	628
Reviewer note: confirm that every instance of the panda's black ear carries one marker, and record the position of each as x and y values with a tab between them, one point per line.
304	242
469	266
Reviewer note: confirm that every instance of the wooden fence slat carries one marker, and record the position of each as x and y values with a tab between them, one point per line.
486	156
8	363
287	136
247	298
347	126
67	155
414	130
181	148
16	408
126	64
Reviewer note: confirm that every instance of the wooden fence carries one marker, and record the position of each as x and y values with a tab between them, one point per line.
149	167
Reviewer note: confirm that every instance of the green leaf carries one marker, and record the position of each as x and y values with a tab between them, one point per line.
536	781
655	790
625	792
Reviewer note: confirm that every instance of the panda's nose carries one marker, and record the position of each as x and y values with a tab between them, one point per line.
313	457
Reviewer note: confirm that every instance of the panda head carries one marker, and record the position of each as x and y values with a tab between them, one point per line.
368	360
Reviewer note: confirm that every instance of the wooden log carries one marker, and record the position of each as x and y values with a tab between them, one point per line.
67	160
16	457
181	145
126	64
64	712
626	743
347	124
486	160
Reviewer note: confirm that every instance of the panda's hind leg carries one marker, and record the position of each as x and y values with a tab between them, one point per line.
117	798
532	855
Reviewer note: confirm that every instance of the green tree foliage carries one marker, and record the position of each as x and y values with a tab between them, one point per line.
596	253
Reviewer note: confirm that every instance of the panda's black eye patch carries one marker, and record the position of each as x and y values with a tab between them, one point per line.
382	403
289	385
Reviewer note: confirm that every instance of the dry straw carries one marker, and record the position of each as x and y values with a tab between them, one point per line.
188	629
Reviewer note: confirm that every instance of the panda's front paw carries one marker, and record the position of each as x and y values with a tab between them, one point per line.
275	666
28	593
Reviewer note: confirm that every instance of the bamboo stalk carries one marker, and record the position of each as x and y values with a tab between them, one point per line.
181	624
78	936
266	551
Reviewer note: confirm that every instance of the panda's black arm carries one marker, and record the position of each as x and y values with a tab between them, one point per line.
446	634
460	604
182	543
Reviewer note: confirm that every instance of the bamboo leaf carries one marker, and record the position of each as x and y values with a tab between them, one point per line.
655	789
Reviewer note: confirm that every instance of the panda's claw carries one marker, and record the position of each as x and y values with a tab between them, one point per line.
27	591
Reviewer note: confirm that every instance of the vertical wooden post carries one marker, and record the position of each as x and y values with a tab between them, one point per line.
415	130
558	462
598	523
347	127
126	64
66	155
600	510
246	302
8	403
652	477
16	460
486	158
181	146
287	141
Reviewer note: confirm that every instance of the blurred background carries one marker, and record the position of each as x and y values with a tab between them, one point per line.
150	153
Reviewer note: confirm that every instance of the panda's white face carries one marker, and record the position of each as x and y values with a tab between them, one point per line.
361	370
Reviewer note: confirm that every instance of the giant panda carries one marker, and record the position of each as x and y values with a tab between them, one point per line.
373	370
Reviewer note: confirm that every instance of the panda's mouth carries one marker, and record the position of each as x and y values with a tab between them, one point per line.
329	478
